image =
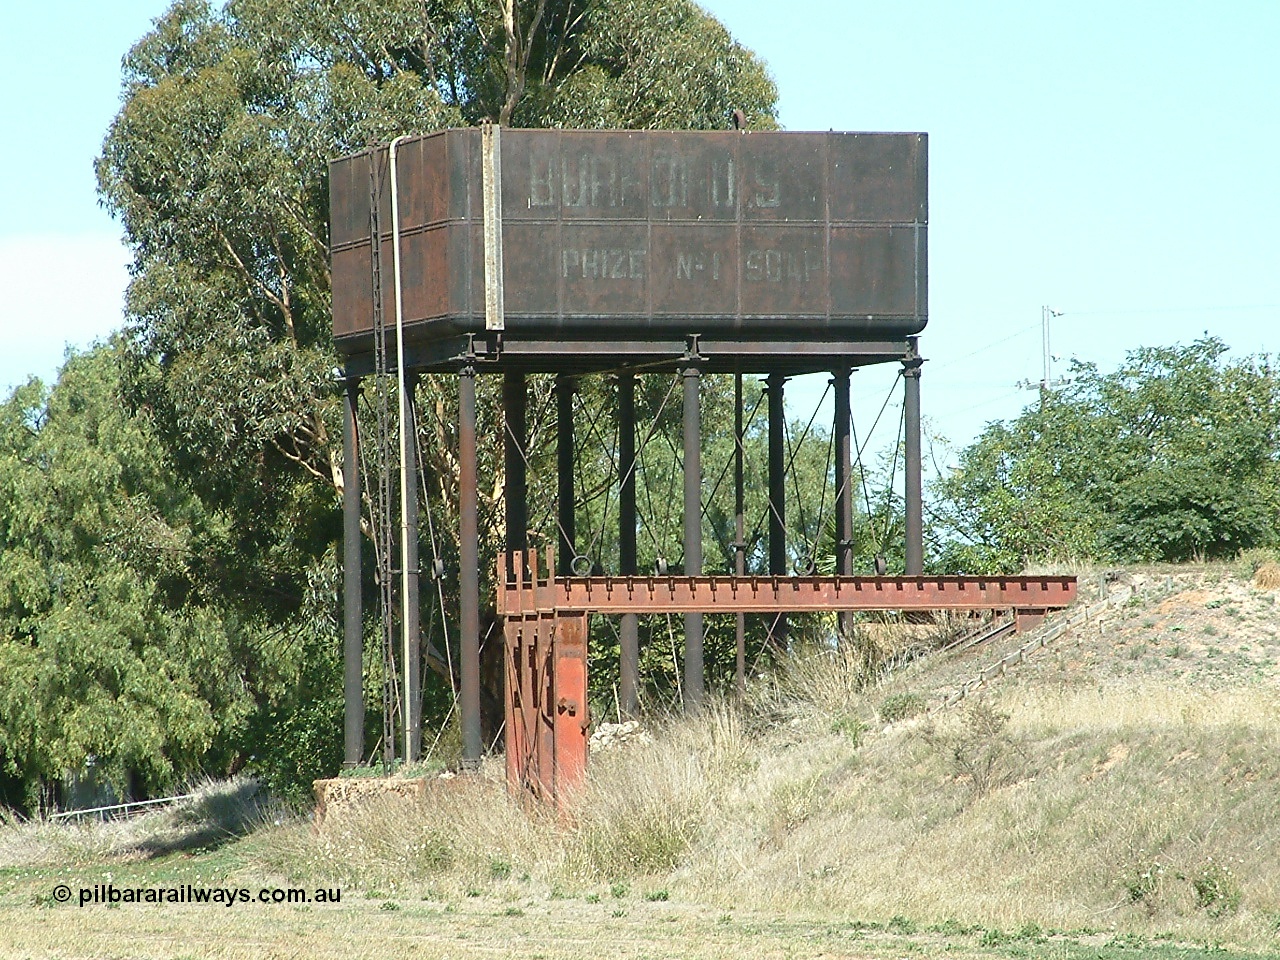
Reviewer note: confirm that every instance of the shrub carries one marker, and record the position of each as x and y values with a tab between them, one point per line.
1254	559
1144	886
900	706
1216	890
850	727
981	751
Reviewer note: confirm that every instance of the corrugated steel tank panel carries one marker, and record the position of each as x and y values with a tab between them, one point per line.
635	234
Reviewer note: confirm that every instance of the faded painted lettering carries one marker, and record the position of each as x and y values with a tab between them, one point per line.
669	181
542	181
613	263
581	181
723	183
585	181
766	187
594	181
781	266
697	264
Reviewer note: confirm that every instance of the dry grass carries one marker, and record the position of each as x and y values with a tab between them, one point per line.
1138	804
465	832
1099	811
217	811
1145	705
1267	577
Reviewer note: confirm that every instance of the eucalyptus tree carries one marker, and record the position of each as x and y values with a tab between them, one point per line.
215	167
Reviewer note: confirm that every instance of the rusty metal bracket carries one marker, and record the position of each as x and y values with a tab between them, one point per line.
547	715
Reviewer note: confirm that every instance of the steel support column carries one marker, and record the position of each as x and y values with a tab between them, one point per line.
515	440
629	627
352	596
693	665
914	470
564	473
412	667
844	486
469	570
739	535
777	496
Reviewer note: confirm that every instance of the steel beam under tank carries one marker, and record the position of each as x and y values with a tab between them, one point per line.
740	535
777	497
496	352
842	430
515	442
565	501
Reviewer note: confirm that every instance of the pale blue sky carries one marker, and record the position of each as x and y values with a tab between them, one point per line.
1116	160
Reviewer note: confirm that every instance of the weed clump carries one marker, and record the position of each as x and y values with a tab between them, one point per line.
901	706
1212	886
1216	890
651	838
1145	885
981	751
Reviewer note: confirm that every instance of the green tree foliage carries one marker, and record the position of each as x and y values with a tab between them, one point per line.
215	167
1173	456
100	662
121	646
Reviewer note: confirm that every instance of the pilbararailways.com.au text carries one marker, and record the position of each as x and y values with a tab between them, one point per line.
110	894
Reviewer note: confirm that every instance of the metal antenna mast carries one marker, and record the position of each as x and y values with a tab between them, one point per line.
1046	382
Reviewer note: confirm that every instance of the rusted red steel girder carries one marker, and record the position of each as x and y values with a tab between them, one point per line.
546	626
722	593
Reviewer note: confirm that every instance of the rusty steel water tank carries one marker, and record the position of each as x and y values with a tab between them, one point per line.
632	235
